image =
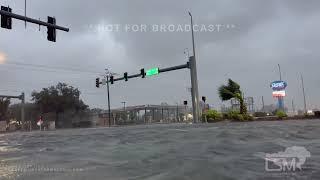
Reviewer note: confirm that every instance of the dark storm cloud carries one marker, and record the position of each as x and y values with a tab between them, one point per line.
265	33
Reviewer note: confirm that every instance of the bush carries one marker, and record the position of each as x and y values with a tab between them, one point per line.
212	115
248	117
235	115
232	115
260	114
281	114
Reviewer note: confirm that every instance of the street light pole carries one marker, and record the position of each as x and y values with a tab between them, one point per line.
280	72
109	110
193	44
194	79
304	95
124	105
107	77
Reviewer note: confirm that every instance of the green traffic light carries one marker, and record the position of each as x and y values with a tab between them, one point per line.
152	72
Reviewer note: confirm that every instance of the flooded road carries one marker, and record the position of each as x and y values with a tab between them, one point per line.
177	151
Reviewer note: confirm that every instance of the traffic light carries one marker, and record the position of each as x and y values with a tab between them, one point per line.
204	98
111	79
97	82
51	31
125	76
185	103
6	21
143	73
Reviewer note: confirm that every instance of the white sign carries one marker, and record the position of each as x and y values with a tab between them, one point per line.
279	93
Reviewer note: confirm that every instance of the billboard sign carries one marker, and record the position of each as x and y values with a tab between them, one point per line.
278	85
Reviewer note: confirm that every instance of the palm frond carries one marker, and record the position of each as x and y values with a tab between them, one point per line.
224	93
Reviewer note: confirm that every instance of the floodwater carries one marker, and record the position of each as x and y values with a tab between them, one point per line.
174	151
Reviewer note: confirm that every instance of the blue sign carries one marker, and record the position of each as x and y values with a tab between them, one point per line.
278	85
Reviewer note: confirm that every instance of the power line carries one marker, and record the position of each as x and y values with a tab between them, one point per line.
46	67
30	91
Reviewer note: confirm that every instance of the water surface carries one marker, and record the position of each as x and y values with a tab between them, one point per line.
177	151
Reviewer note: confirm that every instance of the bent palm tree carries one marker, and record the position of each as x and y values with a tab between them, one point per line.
232	90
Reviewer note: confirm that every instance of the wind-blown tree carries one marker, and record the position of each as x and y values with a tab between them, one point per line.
58	99
4	105
232	90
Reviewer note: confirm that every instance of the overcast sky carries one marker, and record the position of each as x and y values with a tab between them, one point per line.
254	37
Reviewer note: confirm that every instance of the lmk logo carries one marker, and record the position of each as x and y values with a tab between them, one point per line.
291	159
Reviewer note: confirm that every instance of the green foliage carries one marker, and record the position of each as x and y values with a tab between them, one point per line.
235	115
58	99
212	115
281	114
4	105
248	117
232	114
226	92
232	90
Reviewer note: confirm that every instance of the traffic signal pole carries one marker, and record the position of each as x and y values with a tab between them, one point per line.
194	90
194	78
194	83
34	21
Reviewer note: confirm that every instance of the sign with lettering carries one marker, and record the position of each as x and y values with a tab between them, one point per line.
278	85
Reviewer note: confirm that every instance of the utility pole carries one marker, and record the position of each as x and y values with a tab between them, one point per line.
304	95
124	110
22	109
109	110
124	105
107	75
194	79
293	107
262	104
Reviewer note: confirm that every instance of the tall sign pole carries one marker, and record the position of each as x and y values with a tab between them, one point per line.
194	80
304	95
280	99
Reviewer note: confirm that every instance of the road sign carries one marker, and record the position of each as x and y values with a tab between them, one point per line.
152	72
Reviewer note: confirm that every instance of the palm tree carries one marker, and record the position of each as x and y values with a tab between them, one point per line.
232	90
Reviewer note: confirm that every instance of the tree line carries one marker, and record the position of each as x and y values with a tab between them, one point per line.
54	99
